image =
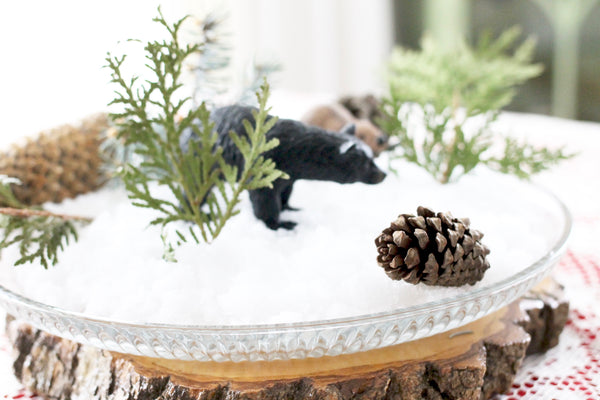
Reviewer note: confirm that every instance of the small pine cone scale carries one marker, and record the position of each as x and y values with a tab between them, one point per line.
435	249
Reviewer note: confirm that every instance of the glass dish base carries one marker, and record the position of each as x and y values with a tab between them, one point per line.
294	340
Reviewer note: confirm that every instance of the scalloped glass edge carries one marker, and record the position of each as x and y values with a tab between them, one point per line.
287	341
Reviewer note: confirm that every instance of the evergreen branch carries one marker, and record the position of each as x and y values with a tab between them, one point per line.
203	189
39	238
446	92
524	160
481	79
258	172
40	234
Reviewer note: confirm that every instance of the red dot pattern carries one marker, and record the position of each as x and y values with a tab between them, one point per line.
22	394
572	369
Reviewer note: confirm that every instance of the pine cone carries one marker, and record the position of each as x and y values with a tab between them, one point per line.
59	164
436	249
363	107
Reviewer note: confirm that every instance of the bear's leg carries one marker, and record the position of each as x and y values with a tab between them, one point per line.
285	197
266	204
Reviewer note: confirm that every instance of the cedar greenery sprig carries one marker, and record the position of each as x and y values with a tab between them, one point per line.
40	234
203	188
524	160
442	105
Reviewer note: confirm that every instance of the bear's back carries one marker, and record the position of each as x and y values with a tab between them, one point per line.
293	136
229	118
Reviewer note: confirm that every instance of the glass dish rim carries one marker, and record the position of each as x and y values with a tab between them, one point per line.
527	273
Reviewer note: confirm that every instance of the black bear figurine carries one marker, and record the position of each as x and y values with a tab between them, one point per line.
304	152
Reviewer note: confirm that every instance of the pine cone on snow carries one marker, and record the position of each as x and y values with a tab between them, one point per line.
436	249
61	163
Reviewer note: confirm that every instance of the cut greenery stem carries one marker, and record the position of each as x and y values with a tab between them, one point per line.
27	212
204	189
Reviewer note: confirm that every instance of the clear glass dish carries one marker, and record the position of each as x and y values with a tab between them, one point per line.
294	340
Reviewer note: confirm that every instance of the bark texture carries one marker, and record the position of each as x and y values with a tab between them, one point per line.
472	362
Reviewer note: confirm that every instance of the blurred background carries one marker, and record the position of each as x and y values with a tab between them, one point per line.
568	44
53	52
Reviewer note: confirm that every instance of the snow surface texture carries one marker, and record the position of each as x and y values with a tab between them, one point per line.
323	269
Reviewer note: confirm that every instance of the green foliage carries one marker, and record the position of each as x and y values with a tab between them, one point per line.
204	189
523	160
39	238
40	235
477	80
441	106
7	197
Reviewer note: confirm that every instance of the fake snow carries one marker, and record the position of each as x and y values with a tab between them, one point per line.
323	269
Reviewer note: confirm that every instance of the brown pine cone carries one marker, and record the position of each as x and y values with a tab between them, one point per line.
61	163
436	249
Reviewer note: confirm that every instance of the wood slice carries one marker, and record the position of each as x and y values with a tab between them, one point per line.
472	362
547	309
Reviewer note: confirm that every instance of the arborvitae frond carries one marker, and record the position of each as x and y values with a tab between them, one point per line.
475	80
40	235
456	96
524	160
205	189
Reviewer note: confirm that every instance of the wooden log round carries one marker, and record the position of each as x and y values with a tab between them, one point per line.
472	362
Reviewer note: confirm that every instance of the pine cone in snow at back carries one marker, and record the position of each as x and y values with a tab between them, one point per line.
61	163
363	107
436	249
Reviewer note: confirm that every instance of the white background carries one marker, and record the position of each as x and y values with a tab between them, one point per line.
52	52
